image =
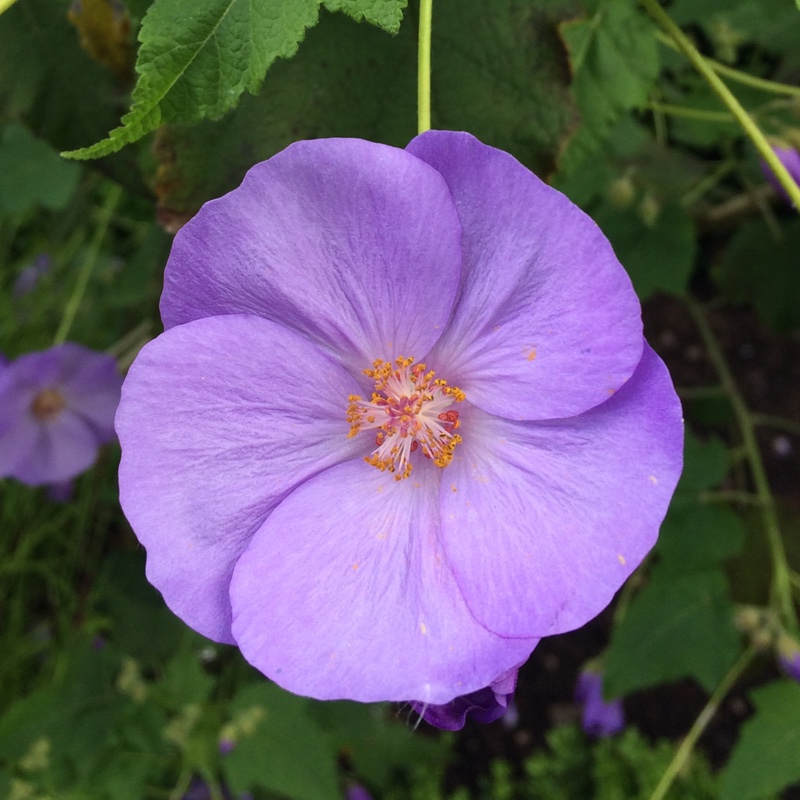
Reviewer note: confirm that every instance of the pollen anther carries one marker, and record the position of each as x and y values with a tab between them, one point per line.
411	410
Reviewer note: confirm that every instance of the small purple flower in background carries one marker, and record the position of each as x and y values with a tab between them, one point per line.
600	717
402	422
789	656
356	792
30	275
199	790
790	158
56	409
485	705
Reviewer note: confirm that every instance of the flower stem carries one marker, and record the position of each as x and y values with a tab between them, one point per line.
781	590
424	66
6	4
699	114
700	724
701	64
106	212
745	78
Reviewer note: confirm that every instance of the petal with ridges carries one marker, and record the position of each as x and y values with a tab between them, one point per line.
345	593
354	244
547	324
557	514
219	419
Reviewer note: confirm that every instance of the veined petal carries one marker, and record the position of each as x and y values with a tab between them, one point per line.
345	592
546	324
219	419
353	244
557	514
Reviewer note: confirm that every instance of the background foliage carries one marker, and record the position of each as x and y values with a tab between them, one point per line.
166	104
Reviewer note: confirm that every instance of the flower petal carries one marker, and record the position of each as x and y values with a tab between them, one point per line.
354	244
91	386
556	515
219	419
546	324
344	593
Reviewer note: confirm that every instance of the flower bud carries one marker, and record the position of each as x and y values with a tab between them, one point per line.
789	656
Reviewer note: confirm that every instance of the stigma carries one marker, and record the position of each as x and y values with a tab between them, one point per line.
47	405
410	410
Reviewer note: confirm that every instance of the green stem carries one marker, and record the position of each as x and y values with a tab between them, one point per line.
768	421
691	113
730	496
745	78
424	66
781	583
71	310
6	4
700	724
706	184
752	130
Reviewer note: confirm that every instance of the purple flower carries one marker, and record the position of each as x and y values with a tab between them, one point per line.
600	717
31	275
402	422
789	656
790	159
56	408
357	792
199	790
485	705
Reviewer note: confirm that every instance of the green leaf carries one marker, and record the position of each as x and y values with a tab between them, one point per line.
658	257
515	58
760	268
767	755
47	80
185	681
386	14
286	753
32	174
615	63
378	745
198	58
705	465
142	625
699	536
678	626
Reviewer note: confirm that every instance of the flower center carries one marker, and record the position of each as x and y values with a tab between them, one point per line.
411	410
47	405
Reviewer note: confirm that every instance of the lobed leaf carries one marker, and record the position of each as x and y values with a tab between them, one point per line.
386	14
678	626
198	58
614	60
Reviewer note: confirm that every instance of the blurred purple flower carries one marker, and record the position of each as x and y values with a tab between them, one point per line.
357	792
199	790
30	275
275	436
485	705
790	159
61	492
56	409
600	717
